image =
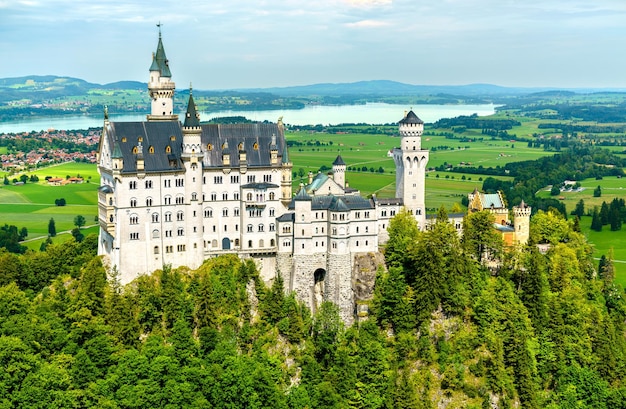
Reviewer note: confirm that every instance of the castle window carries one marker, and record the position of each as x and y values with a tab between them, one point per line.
194	196
133	202
224	196
272	242
134	219
111	218
261	227
249	197
180	247
272	227
155	234
250	228
236	242
236	211
151	149
357	229
167	200
255	146
209	147
180	199
213	196
149	201
267	178
172	138
168	217
286	243
240	147
249	244
234	178
156	249
180	216
261	243
367	229
357	243
272	195
214	243
181	231
180	182
225	212
124	139
236	196
134	236
135	150
132	185
251	178
155	217
217	179
272	212
236	227
169	249
148	184
208	212
168	149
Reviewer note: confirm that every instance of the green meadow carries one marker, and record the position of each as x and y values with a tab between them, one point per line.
33	204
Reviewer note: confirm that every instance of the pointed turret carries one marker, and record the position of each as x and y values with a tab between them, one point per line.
192	117
339	171
161	87
192	131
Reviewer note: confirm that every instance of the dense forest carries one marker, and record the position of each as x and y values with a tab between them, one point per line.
448	327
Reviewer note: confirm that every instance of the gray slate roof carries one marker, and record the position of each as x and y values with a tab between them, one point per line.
411	118
255	139
335	203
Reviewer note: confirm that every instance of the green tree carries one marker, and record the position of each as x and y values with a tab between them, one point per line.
597	192
555	191
23	178
6	180
480	239
403	233
52	230
79	221
596	221
580	208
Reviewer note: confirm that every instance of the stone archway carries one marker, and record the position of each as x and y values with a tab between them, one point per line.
319	276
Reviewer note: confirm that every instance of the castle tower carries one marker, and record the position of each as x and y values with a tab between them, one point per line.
521	222
339	171
285	179
161	87
191	156
411	161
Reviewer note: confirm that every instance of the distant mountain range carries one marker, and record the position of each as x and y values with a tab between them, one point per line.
38	88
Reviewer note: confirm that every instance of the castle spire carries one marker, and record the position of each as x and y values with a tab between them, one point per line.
161	87
192	117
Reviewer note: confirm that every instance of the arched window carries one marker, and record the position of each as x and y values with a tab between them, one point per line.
272	243
249	197
255	146
209	147
272	195
156	249
261	243
151	149
155	234
214	243
149	201
168	149
155	217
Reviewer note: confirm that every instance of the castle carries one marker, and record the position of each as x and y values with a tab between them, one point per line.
175	193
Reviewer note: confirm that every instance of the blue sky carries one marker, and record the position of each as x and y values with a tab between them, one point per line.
228	44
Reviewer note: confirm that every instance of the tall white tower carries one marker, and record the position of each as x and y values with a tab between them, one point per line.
161	87
339	171
411	161
521	223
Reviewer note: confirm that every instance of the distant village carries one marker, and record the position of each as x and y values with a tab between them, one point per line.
39	155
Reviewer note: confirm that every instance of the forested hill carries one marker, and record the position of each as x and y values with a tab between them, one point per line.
540	331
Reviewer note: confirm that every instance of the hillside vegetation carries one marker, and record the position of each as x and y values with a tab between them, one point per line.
539	331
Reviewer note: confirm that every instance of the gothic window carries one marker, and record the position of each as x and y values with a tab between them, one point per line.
234	179
267	178
151	149
167	183
209	147
149	201
194	196
135	150
180	199
217	179
251	178
155	217
168	149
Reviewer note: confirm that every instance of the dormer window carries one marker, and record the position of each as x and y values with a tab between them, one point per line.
140	139
151	149
124	139
168	149
255	146
135	150
209	147
172	138
240	147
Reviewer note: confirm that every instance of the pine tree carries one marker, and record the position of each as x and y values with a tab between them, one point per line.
52	230
596	223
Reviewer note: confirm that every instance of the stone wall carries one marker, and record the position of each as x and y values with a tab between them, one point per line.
339	285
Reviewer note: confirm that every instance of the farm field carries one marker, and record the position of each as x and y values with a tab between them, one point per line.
33	204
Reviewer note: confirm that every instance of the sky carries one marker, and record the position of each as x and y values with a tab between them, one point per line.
230	44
